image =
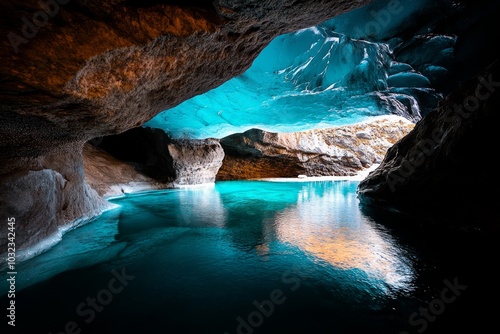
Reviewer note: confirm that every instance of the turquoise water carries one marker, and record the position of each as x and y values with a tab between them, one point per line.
238	257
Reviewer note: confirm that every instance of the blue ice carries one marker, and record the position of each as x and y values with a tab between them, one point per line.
333	74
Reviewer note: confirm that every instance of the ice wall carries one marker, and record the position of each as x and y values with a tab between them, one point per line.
373	61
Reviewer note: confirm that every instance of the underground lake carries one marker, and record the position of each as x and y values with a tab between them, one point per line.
248	257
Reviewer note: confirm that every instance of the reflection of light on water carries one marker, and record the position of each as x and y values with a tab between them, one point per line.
262	249
201	206
330	227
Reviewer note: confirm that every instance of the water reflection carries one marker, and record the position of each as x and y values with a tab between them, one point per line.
324	221
317	226
191	207
327	224
206	254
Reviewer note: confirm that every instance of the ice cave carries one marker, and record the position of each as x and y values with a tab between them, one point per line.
248	167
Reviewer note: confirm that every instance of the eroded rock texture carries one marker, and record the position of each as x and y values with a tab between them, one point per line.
443	169
146	158
89	68
342	151
195	161
45	193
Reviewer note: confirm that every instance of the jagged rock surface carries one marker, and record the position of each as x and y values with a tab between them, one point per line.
126	61
437	170
342	151
195	161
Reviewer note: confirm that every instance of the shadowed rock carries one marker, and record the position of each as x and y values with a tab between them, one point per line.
438	169
149	158
110	176
44	194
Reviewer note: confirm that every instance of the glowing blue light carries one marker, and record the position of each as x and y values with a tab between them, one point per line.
329	75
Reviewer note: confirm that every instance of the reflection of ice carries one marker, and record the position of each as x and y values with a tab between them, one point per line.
329	227
236	227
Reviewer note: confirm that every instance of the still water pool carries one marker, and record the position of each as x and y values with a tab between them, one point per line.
237	257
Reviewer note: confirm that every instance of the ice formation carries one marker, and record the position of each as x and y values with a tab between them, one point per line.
340	72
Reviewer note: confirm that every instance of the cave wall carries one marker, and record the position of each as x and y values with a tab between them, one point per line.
45	194
444	169
157	159
154	161
99	68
